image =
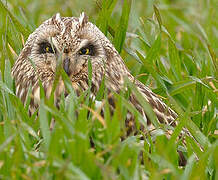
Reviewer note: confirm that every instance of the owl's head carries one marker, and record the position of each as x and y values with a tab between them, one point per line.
70	41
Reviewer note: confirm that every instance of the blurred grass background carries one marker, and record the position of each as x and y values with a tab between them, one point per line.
171	47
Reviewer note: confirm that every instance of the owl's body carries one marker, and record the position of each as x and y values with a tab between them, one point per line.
73	41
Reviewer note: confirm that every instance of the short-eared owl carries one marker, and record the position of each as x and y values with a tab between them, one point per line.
75	41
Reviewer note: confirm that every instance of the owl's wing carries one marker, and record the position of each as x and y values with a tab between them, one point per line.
163	112
117	72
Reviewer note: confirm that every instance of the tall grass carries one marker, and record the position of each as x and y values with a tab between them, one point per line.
171	46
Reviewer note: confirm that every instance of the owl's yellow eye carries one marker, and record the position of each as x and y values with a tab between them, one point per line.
84	51
89	49
47	49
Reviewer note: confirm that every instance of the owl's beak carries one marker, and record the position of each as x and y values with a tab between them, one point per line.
66	65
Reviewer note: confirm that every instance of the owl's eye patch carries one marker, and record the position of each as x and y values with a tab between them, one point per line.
46	47
87	50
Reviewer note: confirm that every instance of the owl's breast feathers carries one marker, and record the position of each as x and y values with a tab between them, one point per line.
27	77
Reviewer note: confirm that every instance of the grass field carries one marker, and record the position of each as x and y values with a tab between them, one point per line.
169	45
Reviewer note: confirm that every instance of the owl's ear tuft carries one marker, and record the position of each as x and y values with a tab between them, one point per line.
56	17
83	19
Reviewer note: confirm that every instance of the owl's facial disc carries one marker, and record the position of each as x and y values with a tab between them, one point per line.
74	60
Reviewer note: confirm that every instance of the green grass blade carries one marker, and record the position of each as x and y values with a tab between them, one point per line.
120	33
105	14
16	22
175	60
44	124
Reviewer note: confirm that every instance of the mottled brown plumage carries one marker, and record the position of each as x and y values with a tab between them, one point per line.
74	41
